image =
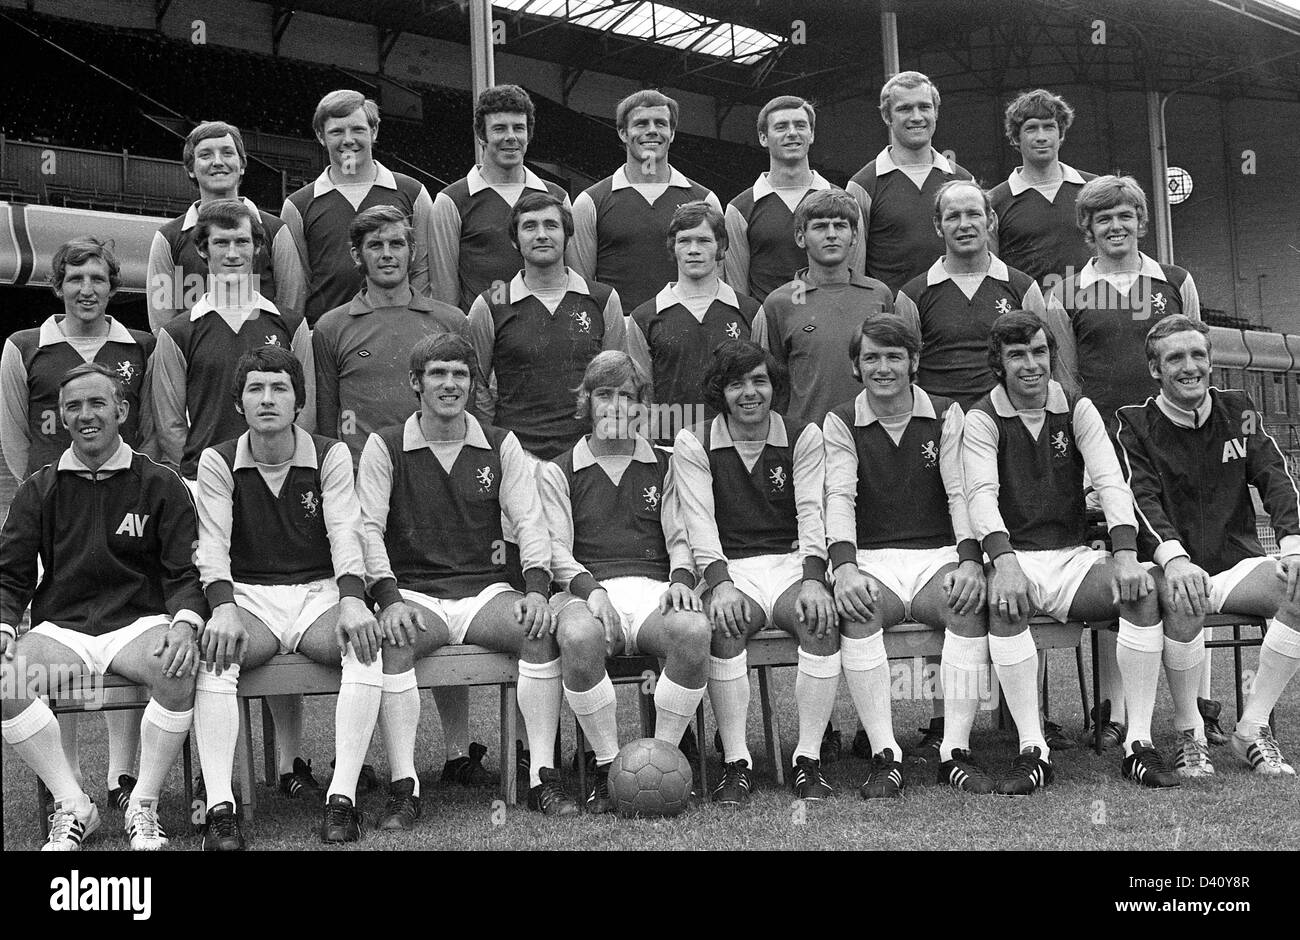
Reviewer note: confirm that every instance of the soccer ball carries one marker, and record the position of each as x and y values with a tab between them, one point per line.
650	777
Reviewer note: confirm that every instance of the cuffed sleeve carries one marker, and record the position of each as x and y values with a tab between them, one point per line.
216	496
979	452
950	470
374	489
841	490
809	491
343	524
553	490
694	488
523	509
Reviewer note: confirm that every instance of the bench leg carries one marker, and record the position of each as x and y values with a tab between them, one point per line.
580	742
645	701
270	762
771	726
509	704
1096	689
702	769
244	761
42	797
1083	686
1236	665
187	765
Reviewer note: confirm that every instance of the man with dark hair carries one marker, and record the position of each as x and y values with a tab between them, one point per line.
762	254
750	485
809	322
1191	455
1037	231
435	492
280	558
177	276
619	551
673	335
346	123
472	249
895	192
1025	449
113	533
539	331
620	222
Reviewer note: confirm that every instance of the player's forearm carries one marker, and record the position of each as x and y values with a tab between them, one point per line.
694	486
841	490
1107	480
809	494
523	508
979	452
343	525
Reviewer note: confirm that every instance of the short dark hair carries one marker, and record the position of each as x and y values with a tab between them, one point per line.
690	215
1168	326
79	250
444	347
832	203
885	329
206	131
1014	327
94	368
270	359
649	98
535	201
375	218
341	103
732	360
502	99
1041	104
226	213
786	103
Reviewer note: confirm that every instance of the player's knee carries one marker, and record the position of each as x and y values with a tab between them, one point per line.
688	634
359	673
580	637
172	692
726	647
1145	611
397	659
974	624
820	646
540	649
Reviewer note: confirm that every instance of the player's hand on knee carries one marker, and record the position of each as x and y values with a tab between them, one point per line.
1187	586
728	610
356	625
599	604
678	598
1288	571
224	638
534	613
965	588
856	595
400	623
1008	589
816	607
178	650
1131	581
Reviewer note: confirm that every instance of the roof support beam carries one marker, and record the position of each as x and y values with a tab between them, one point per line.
280	18
482	63
159	11
387	40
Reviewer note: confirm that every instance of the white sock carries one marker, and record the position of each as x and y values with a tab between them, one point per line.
1279	657
361	691
34	735
68	735
964	674
162	732
453	713
866	673
1139	653
674	708
399	717
540	691
1183	663
1112	683
597	712
216	723
729	696
286	714
123	736
1015	660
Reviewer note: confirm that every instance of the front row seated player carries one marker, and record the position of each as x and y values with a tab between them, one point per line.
280	558
903	552
1025	448
750	484
114	533
433	490
619	550
1191	454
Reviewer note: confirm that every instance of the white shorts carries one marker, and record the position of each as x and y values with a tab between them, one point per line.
288	610
456	614
905	570
1055	574
98	652
764	578
635	599
1225	582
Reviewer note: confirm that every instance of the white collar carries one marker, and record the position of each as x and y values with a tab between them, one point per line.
642	452
1016	183
720	434
922	407
383	177
413	438
51	335
1090	275
519	290
618	180
476	183
938	273
885	162
304	453
1057	403
763	188
667	297
192	213
121	460
205	305
1181	416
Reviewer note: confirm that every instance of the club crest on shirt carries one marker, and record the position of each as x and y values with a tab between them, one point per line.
1002	306
651	497
272	339
776	476
125	371
584	322
930	453
1158	302
310	504
733	330
1061	444
485	478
